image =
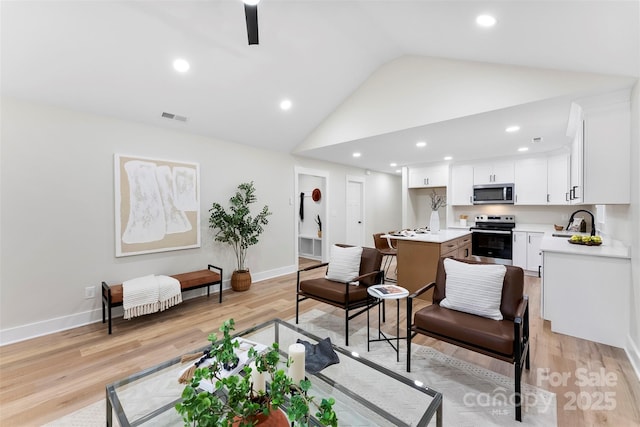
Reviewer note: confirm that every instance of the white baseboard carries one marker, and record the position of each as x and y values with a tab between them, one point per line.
633	353
63	323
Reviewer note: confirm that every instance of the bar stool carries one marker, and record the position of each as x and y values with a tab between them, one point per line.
388	254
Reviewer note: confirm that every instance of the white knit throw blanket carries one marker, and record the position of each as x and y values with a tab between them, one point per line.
140	296
149	294
169	292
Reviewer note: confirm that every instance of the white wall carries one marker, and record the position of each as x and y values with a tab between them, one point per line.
57	198
415	91
633	347
308	226
419	207
383	194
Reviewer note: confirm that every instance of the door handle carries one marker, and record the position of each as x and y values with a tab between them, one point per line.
539	273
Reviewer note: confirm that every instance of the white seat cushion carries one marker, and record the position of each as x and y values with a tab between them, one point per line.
474	289
344	264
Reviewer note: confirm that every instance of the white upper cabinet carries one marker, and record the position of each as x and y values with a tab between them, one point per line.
558	179
493	173
461	193
576	130
601	150
430	176
607	155
531	181
542	180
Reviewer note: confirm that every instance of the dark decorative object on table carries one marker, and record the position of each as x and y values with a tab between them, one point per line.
319	356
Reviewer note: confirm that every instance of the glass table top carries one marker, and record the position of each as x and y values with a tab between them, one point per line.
366	393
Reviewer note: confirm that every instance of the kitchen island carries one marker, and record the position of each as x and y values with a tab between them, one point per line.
586	289
418	255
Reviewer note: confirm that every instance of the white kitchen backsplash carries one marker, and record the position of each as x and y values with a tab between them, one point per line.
524	214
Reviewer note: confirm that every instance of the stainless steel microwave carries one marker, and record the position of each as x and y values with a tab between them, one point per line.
493	194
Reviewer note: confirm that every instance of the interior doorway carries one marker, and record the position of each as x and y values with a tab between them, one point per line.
355	211
311	207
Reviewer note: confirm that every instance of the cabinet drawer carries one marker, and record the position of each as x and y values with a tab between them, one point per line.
451	254
466	240
450	246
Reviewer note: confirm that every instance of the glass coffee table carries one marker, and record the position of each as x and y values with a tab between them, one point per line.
366	394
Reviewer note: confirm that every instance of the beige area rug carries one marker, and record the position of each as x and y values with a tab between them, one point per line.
473	396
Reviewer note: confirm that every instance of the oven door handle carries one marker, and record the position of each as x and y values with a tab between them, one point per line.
491	231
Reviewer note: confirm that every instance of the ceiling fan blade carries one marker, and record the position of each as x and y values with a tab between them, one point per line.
251	15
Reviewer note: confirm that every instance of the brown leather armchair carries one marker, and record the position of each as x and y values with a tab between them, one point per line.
354	300
506	339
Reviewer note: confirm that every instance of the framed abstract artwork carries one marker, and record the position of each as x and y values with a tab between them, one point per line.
157	206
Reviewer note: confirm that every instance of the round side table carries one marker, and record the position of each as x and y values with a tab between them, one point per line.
383	293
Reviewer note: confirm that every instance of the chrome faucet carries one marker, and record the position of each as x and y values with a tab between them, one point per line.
593	220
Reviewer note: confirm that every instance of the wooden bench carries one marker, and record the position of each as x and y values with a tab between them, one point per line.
112	294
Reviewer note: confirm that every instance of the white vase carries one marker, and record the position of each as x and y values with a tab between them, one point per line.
434	222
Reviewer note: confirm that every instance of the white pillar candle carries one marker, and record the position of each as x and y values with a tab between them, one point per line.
296	370
257	378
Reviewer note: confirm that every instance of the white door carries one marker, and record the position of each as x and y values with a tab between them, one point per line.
355	213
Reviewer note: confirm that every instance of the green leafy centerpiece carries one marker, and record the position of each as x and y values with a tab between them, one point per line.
257	392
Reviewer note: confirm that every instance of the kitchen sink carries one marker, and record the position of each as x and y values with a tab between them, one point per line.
562	234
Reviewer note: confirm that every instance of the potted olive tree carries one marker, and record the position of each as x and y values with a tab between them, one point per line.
235	401
239	229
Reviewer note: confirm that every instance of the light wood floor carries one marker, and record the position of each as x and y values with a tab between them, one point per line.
45	378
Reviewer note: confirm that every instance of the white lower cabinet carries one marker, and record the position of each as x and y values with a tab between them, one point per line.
526	250
587	296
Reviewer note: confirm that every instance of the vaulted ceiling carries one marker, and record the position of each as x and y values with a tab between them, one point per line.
115	58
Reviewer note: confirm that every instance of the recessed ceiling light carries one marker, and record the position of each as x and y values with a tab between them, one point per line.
523	149
486	20
448	158
356	154
512	129
181	65
398	170
421	144
251	2
393	165
285	104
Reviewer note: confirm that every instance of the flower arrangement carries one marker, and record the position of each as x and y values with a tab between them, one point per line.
319	222
437	200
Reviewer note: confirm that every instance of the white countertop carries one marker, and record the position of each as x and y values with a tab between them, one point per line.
609	248
537	228
440	237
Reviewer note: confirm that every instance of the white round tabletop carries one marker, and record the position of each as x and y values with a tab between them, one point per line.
388	291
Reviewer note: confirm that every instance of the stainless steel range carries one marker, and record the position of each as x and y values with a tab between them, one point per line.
491	238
